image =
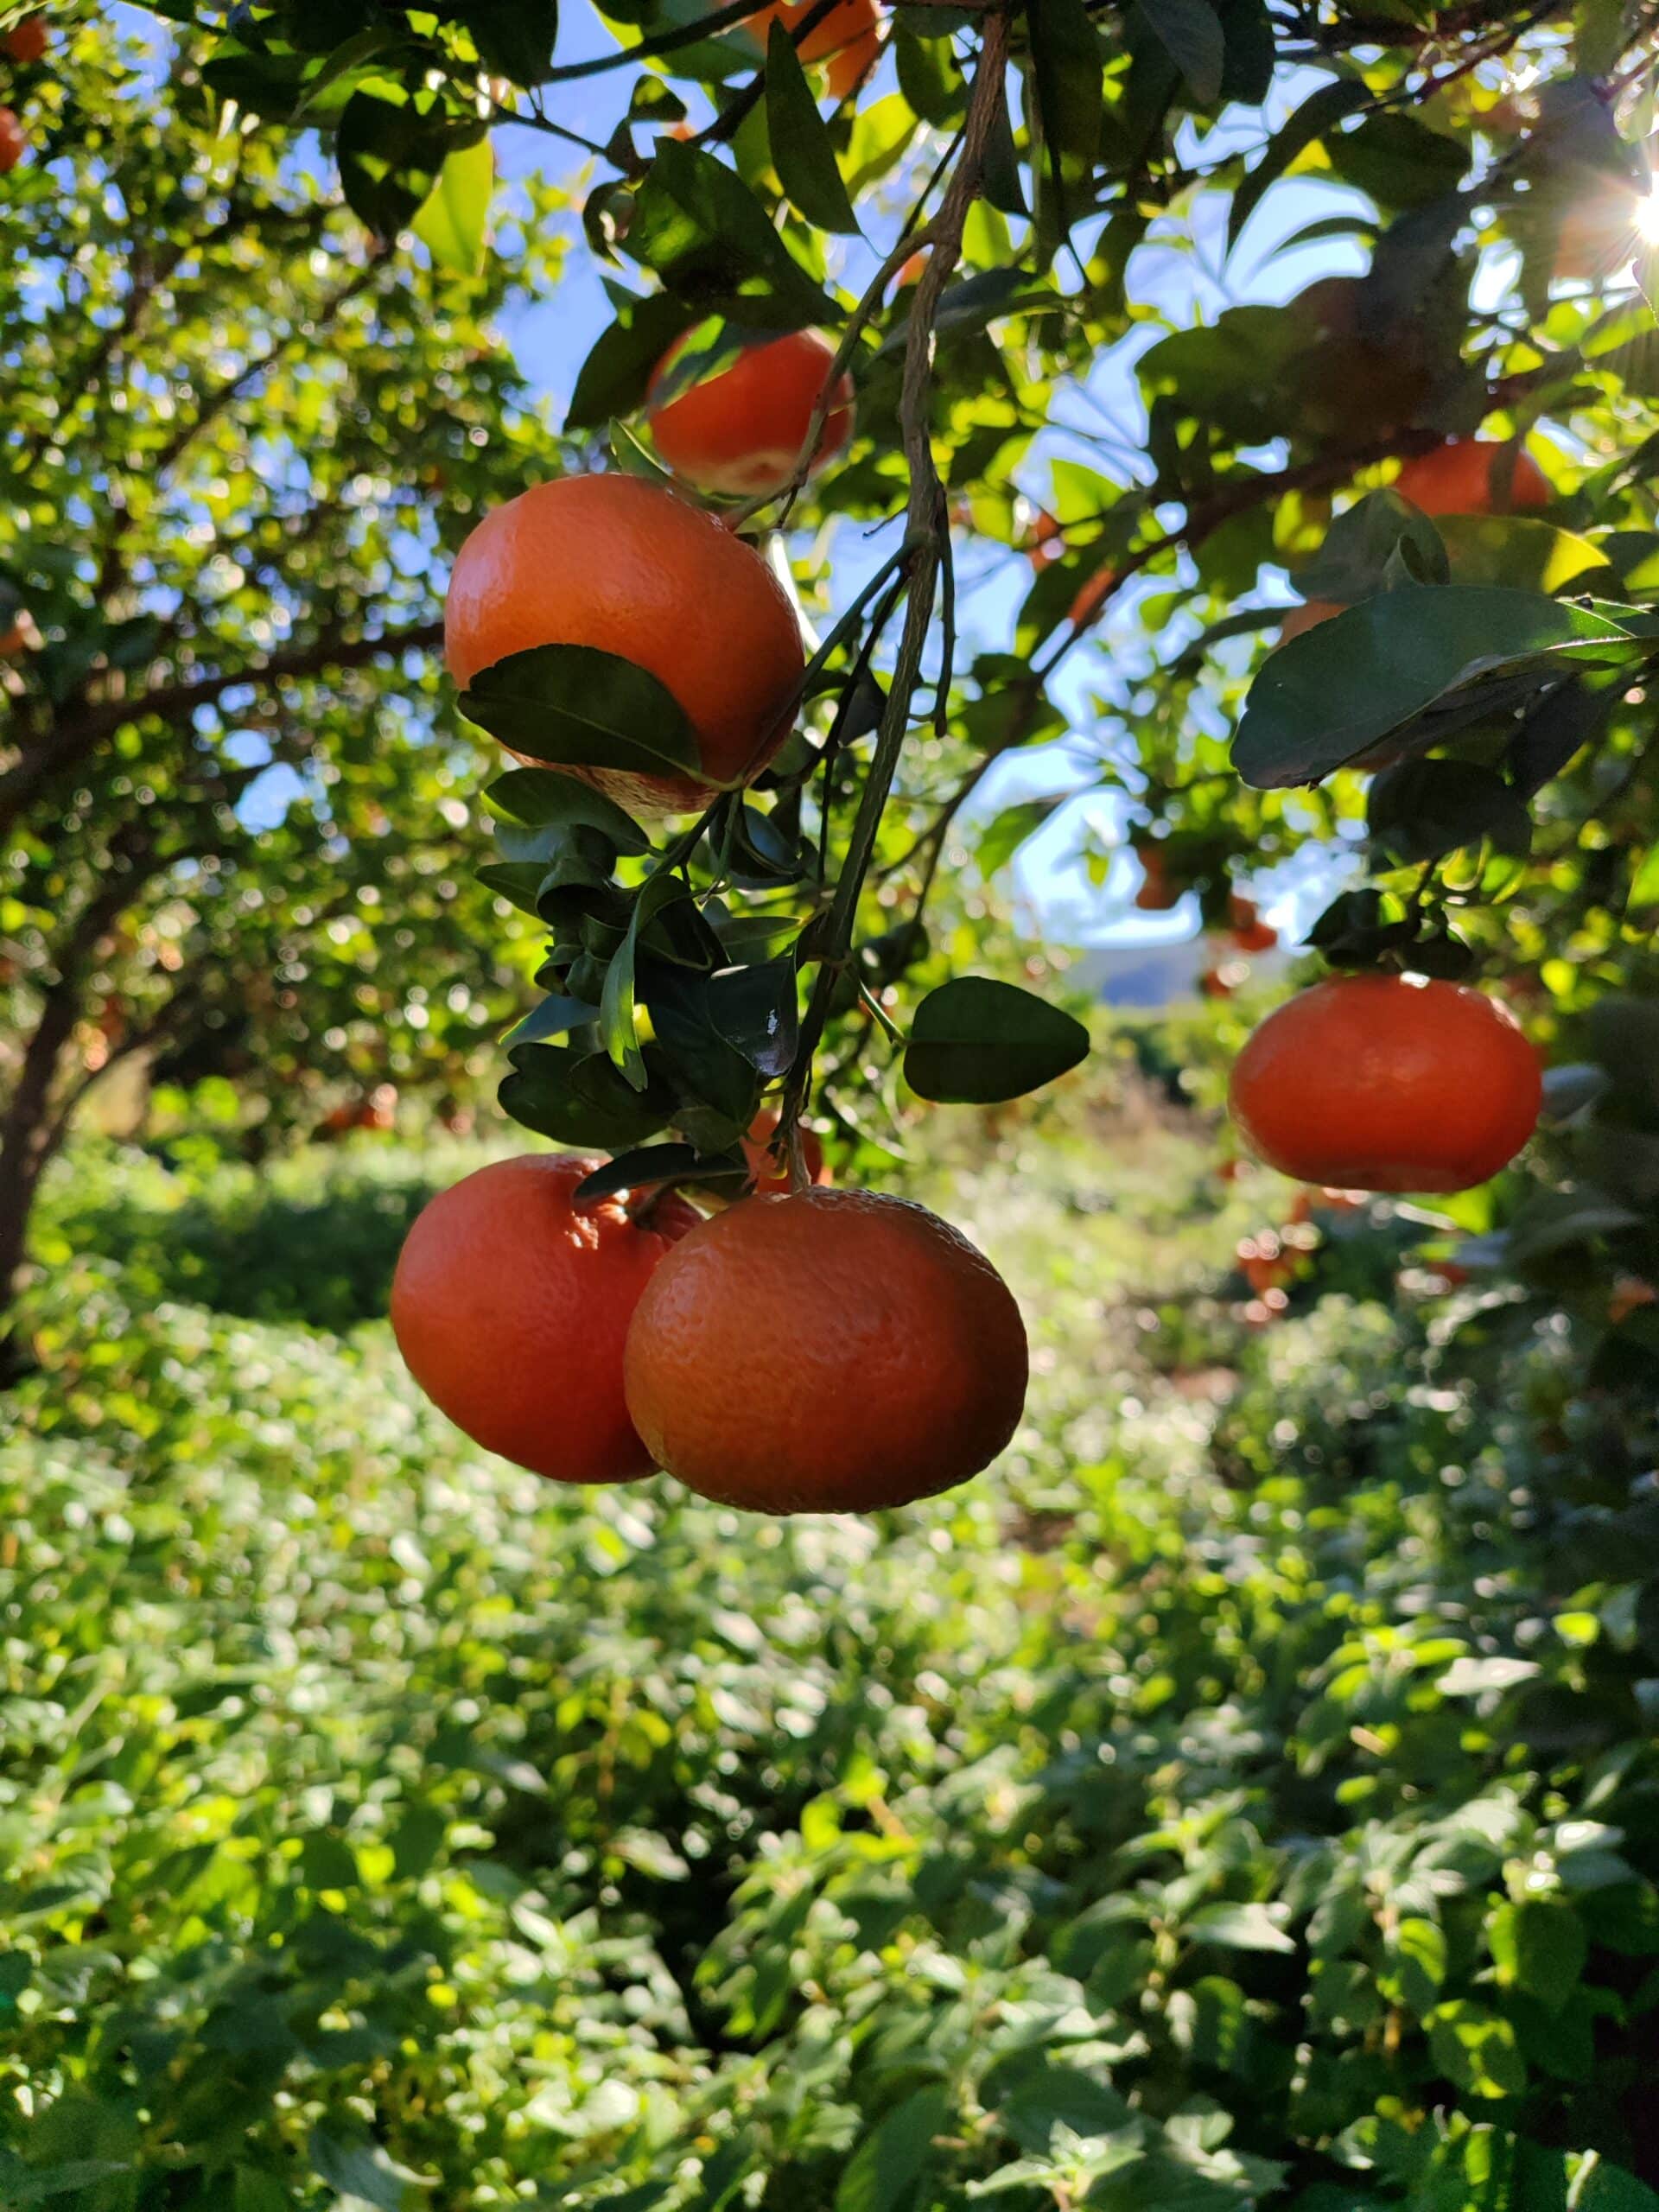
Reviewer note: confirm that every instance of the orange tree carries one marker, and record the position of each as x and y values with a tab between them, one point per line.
964	225
235	836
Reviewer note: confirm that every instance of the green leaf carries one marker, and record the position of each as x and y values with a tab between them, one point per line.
699	226
975	1042
1059	2097
454	222
617	1027
660	1163
1476	1677
1424	809
1414	1963
883	2172
363	2170
1364	542
800	151
1066	63
578	1098
1370	673
391	145
1241	1928
541	797
1540	1947
575	705
555	1016
614	378
1190	33
1001	839
1521	553
1477	2051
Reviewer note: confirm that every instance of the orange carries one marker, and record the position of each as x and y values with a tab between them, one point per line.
847	70
14	140
1157	894
1387	1082
1464	477
741	431
512	1305
829	1351
28	42
1307	616
625	566
769	1170
850	28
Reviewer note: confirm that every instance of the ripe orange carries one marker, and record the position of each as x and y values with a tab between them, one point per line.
847	70
511	1305
741	431
14	140
769	1170
1464	477
848	28
1385	1083
1307	616
625	566
829	1352
28	42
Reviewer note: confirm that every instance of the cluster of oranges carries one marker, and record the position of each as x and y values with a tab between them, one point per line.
805	1348
807	1351
23	47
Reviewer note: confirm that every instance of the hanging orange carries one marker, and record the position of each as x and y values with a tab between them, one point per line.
1388	1082
740	432
625	566
1473	476
829	1351
510	1305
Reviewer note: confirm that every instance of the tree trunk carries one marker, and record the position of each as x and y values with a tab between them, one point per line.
29	1133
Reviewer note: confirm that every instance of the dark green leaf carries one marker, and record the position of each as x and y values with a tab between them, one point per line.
613	379
578	1098
1337	689
1190	33
1424	809
929	78
975	1042
1066	64
698	225
391	145
800	151
363	2169
575	705
539	798
883	2172
658	1163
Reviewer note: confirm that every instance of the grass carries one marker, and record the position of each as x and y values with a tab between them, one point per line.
1238	1796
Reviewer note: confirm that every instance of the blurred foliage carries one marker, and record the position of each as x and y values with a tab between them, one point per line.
1248	1795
